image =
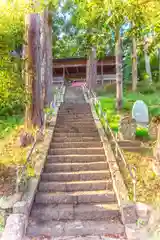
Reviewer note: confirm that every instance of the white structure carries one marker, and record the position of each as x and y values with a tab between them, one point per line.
140	113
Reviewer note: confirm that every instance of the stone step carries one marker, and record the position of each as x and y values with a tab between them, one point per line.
128	143
75	109
78	126
80	151
79	117
102	196
72	113
80	109
74	104
75	112
63	229
74	101
76	144
74	212
137	149
71	167
77	122
75	130
76	176
75	126
73	134
76	158
75	139
74	122
75	186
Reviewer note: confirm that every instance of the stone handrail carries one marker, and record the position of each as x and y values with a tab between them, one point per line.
21	171
119	152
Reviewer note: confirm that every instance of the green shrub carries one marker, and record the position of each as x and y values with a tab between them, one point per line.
110	88
100	91
12	100
142	132
147	88
154	111
8	123
127	106
157	86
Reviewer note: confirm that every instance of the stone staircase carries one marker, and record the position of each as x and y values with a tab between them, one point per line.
131	146
75	195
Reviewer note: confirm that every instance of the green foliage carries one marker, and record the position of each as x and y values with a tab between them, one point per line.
142	133
9	123
11	38
12	90
49	111
11	94
146	88
151	98
147	186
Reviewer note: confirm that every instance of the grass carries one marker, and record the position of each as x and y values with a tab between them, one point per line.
7	124
10	128
11	154
108	103
148	184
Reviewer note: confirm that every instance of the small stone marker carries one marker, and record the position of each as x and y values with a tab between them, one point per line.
127	128
140	113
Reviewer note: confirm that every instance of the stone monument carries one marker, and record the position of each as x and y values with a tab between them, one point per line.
127	128
140	113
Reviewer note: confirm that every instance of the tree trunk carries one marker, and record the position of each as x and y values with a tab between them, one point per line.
50	58
147	61
46	57
44	76
34	113
119	75
92	70
134	65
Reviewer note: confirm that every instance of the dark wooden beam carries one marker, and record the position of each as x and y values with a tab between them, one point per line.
81	65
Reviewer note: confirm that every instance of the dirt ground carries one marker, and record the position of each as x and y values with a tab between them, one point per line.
7	180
